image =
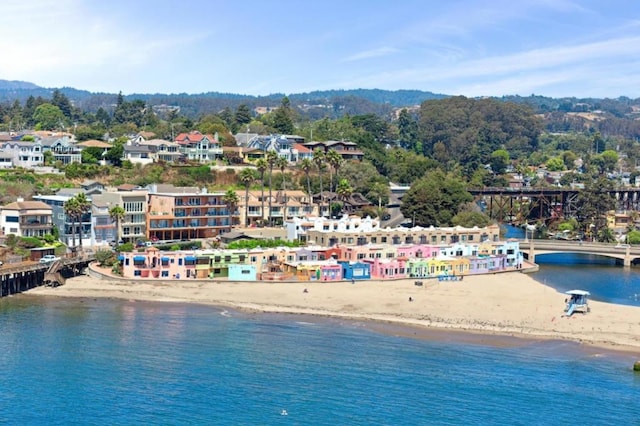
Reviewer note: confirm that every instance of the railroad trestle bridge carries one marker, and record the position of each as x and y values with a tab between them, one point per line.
522	204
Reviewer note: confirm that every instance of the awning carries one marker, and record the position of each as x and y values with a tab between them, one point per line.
139	258
121	258
165	259
190	259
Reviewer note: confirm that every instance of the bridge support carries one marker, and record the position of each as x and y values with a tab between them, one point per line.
627	257
532	253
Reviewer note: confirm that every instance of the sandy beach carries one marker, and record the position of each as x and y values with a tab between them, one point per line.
507	304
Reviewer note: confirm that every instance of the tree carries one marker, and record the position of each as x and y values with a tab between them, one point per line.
555	164
71	210
272	158
408	130
319	159
243	115
593	202
282	165
379	192
83	207
282	118
48	117
499	161
334	160
247	176
262	166
344	190
62	102
605	235
470	219
230	198
633	237
435	199
115	154
306	165
116	213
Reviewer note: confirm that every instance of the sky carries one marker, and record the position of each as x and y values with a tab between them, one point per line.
473	48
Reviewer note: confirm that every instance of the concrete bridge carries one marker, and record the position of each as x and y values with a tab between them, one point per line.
625	253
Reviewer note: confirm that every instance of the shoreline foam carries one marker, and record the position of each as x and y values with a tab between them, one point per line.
507	304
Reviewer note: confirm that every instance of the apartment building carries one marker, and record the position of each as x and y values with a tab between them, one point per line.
26	219
361	231
179	213
297	203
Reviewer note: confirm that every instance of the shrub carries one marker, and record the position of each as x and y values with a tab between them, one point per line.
126	247
105	257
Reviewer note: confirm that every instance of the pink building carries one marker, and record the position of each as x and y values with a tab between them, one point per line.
417	251
388	268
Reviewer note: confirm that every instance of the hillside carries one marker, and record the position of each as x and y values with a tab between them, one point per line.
317	104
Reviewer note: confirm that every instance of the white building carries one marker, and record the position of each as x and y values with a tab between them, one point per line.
26	219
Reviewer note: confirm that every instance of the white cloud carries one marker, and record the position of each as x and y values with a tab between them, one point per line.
373	53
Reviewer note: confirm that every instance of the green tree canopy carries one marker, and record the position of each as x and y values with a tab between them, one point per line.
471	219
435	199
499	161
48	117
283	117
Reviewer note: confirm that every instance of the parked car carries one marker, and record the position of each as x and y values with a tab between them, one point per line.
49	258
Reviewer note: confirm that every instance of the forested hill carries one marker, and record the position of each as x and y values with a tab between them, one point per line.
315	105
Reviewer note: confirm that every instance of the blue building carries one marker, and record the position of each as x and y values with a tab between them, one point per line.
355	270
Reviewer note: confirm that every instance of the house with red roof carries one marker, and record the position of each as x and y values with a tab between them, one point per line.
198	147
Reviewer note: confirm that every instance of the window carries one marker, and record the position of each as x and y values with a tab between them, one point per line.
13	219
136	273
165	273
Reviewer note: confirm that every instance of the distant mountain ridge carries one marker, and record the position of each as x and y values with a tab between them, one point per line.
17	85
316	104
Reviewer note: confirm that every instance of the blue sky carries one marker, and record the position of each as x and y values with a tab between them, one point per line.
472	48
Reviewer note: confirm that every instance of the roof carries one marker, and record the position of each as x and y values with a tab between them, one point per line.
578	292
301	148
127	187
27	205
158	142
94	144
146	135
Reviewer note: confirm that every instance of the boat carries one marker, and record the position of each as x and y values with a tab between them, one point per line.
578	300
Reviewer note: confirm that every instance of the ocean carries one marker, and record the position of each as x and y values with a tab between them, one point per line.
113	362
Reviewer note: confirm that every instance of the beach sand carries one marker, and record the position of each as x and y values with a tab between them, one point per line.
506	304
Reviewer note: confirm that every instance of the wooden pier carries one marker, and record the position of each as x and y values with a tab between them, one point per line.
15	279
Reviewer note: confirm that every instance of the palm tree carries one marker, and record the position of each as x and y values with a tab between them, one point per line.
262	166
230	198
71	211
334	159
318	159
116	213
344	190
247	176
282	164
306	165
272	157
84	207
